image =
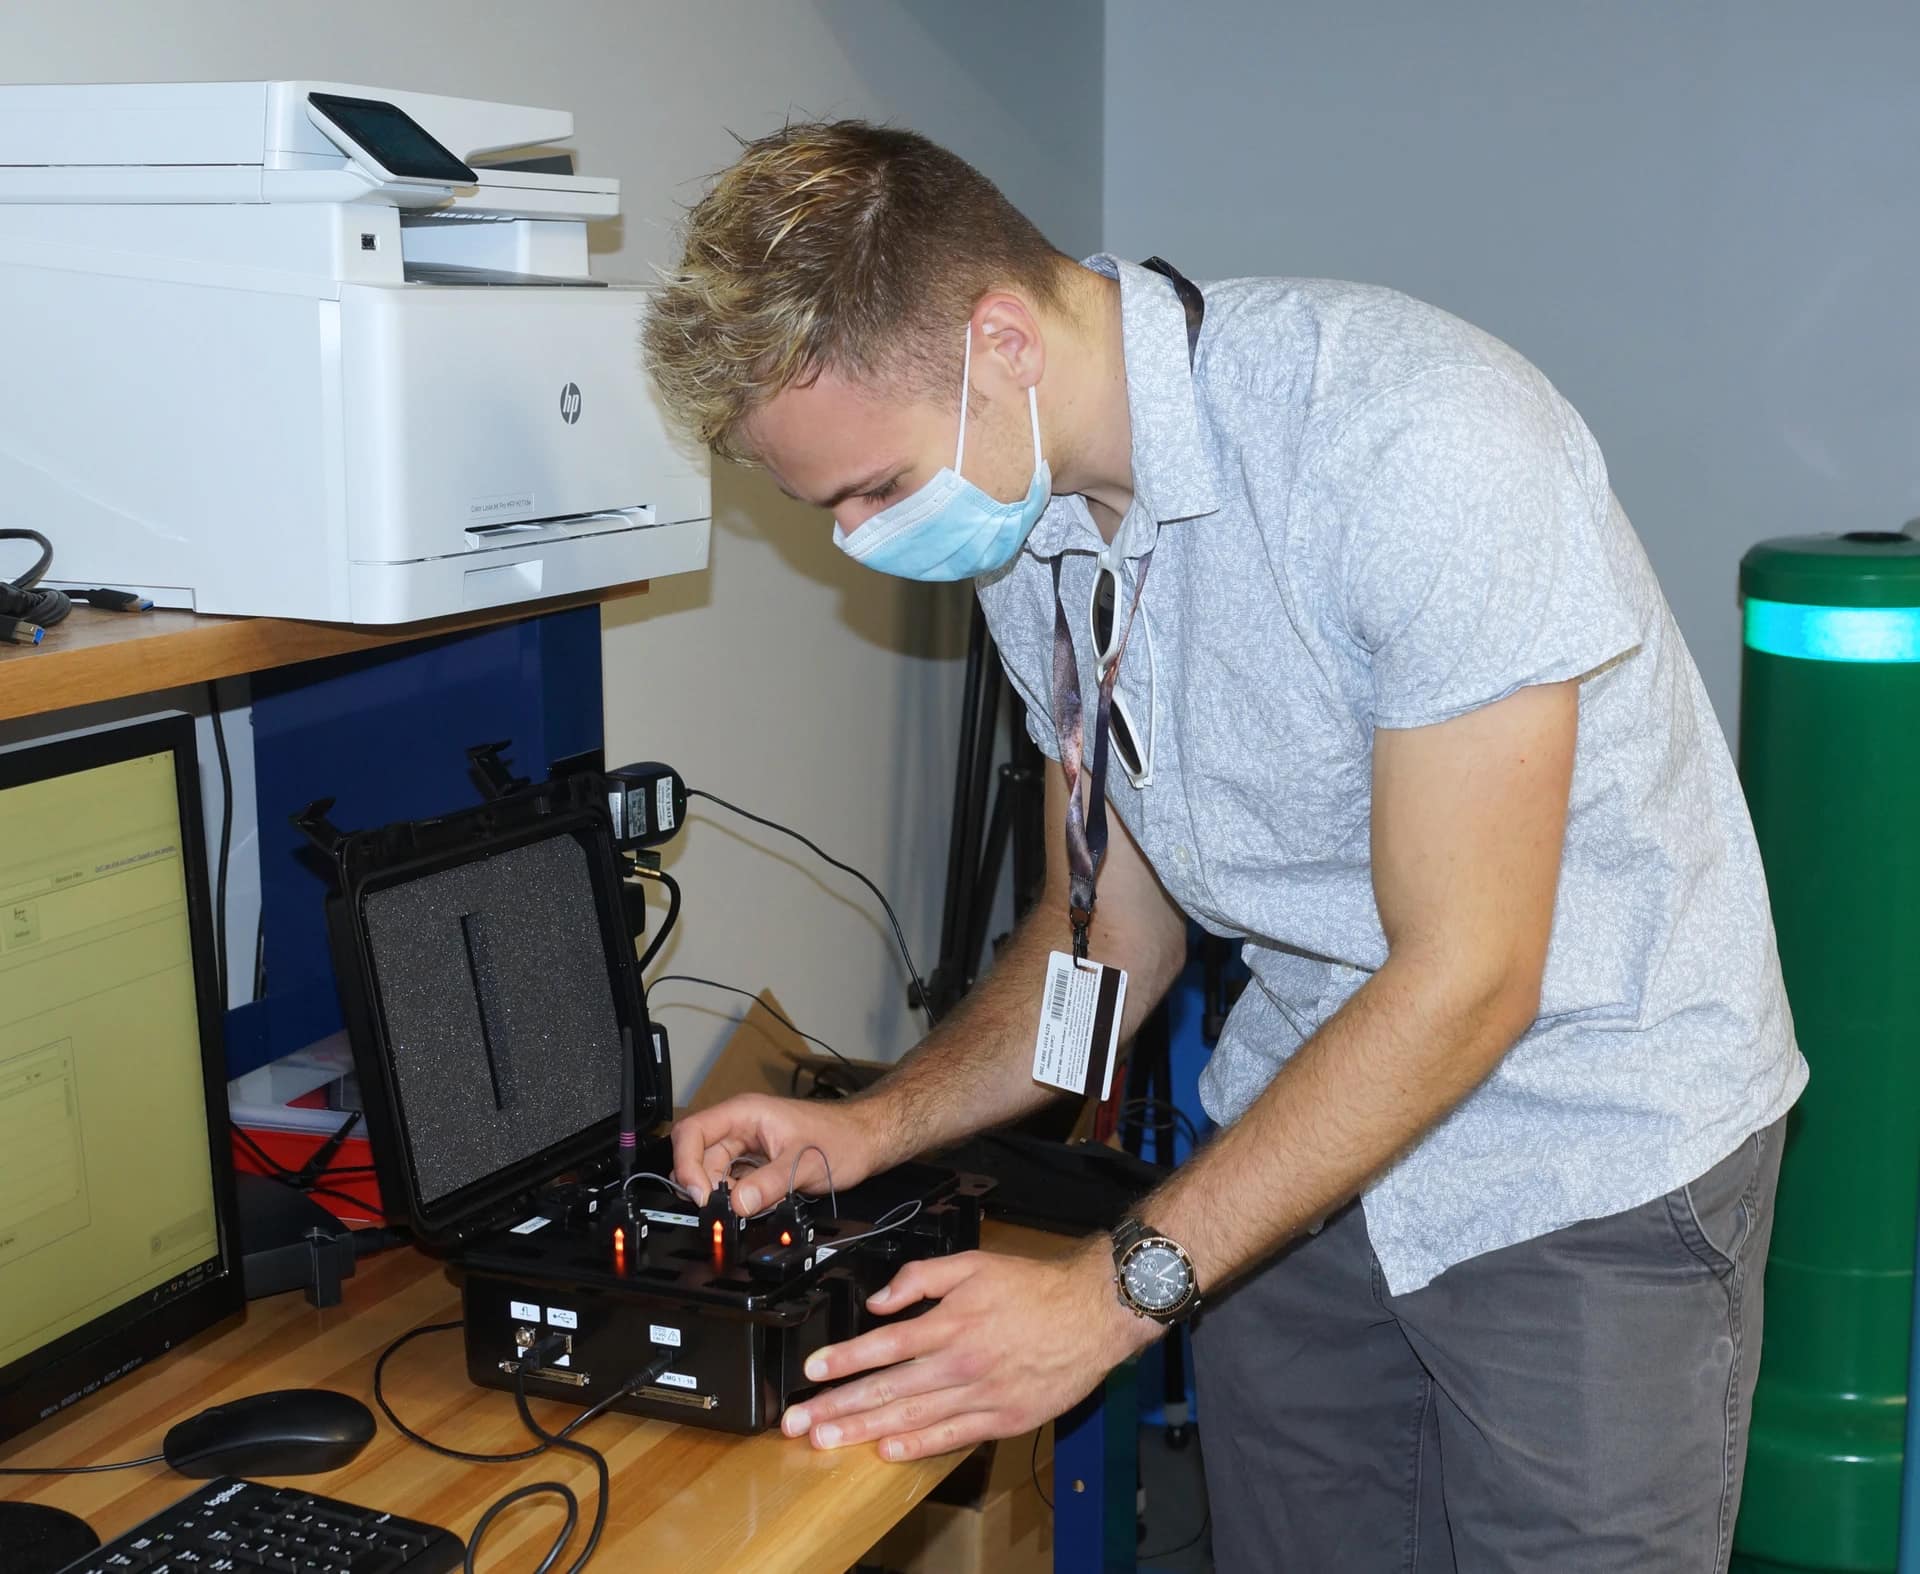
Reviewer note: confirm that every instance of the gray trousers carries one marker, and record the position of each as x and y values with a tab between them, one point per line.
1575	1404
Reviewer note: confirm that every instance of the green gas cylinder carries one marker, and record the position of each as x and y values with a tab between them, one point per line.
1830	757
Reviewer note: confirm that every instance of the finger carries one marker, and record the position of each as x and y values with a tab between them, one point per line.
917	1413
689	1155
716	1162
928	1279
943	1437
882	1347
869	1393
758	1188
808	1174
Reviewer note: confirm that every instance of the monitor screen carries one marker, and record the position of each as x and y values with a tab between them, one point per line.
115	1187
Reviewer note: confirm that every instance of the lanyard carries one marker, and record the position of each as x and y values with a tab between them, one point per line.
1087	824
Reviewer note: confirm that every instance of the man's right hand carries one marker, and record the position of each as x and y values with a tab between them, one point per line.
757	1126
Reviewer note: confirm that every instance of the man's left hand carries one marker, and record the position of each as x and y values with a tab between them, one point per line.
1012	1343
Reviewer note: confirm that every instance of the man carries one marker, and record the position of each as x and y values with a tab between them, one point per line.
1397	701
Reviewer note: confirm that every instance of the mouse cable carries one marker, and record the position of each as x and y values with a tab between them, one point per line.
921	997
79	1470
747	994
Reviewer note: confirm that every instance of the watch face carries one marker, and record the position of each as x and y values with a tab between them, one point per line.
1156	1277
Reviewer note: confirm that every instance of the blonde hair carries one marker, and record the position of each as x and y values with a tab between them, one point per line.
832	245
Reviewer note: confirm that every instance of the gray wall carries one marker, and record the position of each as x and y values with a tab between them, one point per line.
1702	221
784	678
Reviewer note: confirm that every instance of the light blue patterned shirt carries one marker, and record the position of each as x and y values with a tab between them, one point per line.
1366	513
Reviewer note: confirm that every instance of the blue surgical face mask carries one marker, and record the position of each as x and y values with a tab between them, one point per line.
949	528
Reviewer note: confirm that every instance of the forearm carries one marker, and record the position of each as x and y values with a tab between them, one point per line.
975	1070
1401	1053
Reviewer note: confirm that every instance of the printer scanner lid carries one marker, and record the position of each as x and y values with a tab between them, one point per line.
264	142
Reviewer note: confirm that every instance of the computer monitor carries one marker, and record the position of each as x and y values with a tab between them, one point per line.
117	1218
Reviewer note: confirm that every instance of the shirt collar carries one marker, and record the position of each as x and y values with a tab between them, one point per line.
1172	478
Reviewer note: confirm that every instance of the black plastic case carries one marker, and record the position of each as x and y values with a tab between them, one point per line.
409	1143
501	1060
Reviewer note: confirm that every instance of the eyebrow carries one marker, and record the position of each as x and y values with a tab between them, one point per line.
869	483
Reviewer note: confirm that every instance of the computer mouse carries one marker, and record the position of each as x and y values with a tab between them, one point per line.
289	1432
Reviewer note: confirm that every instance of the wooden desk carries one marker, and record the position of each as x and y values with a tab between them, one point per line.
682	1499
94	655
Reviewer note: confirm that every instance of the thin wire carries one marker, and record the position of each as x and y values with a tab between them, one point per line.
1033	1468
908	1211
79	1470
794	1170
287	1178
1206	1522
226	844
1181	1117
900	935
672	1185
747	994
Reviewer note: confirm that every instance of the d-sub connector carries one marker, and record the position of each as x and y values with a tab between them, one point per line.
563	1374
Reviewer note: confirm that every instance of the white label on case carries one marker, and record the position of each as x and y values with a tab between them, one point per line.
528	1226
560	1317
690	1220
662	1335
677	1380
524	1311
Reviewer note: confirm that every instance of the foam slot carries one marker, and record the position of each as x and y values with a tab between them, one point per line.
500	1013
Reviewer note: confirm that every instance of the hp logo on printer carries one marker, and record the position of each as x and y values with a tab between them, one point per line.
570	403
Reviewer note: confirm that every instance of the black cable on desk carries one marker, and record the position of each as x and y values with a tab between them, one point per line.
79	1470
21	598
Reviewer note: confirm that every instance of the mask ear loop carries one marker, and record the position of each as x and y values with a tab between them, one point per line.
966	394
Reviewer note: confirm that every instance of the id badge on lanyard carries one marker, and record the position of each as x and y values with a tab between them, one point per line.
1084	1000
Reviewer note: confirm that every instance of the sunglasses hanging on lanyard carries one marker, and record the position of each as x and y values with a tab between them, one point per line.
1084	1001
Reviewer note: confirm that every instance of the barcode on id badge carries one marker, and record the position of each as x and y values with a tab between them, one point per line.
1057	1002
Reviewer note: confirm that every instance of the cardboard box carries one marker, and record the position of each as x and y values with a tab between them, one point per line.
762	1057
986	1518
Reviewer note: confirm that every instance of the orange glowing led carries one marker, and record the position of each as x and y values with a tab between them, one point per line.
716	1232
786	1237
619	1237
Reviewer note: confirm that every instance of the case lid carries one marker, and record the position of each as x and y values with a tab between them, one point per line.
487	974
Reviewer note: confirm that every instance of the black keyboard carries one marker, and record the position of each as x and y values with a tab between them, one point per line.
241	1527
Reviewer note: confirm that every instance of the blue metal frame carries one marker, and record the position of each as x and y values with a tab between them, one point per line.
386	734
1095	1478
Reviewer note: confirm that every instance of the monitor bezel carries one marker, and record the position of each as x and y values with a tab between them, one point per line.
49	1380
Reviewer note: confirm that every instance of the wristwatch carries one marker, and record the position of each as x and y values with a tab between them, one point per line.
1153	1274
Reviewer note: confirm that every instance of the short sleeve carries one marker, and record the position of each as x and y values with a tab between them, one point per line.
1473	548
1018	603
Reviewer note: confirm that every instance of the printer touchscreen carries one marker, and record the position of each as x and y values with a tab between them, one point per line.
392	138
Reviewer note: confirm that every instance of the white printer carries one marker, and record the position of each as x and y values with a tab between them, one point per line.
281	348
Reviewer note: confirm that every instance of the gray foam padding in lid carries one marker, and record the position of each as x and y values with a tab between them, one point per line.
500	1013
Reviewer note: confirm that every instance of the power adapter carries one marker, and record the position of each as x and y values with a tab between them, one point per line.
649	803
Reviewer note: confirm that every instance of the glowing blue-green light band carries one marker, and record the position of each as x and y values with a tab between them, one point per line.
1783	628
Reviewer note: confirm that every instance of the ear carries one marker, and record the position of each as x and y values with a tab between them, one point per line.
1009	354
